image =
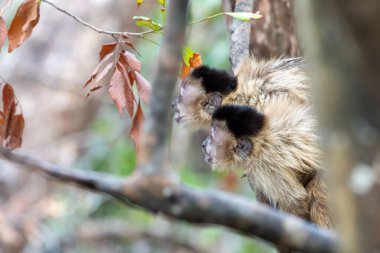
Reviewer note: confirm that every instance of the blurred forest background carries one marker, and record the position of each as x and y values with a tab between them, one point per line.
47	73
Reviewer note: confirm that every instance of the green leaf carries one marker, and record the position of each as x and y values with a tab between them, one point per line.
144	21
162	2
187	54
245	16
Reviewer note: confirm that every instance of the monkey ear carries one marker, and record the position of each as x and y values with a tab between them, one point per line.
244	148
213	102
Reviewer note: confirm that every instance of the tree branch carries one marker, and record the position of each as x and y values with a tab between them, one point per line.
240	33
155	132
160	194
98	30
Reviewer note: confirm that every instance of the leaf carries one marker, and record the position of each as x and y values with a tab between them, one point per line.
139	2
104	71
106	49
193	60
96	71
120	91
137	126
162	2
11	119
132	61
185	71
3	32
144	21
245	16
187	54
21	28
144	87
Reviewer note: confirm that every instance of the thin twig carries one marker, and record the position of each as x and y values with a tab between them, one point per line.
81	21
206	18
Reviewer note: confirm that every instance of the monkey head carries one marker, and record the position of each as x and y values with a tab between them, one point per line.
201	93
232	137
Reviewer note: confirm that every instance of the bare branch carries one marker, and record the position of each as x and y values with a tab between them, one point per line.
240	33
160	194
81	21
153	150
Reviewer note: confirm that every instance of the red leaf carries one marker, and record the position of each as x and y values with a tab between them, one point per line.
121	92
26	19
106	49
3	32
11	122
144	87
137	126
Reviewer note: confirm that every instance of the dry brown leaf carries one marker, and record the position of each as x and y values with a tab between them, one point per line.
96	71
11	121
106	49
26	19
3	32
137	126
104	71
128	90
120	91
144	87
132	61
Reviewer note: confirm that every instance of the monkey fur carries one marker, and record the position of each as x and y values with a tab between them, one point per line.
269	86
255	83
279	151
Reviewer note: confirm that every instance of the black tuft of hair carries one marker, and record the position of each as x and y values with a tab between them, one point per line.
215	80
241	120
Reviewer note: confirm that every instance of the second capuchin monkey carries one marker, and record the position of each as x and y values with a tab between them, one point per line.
255	83
279	152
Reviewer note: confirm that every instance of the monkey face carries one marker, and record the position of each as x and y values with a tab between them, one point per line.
193	107
224	151
201	94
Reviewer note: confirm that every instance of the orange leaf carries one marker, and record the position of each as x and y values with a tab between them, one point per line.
26	19
195	60
144	87
137	126
185	71
3	32
11	122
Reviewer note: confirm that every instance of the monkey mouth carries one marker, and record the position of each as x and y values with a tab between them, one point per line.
208	159
177	118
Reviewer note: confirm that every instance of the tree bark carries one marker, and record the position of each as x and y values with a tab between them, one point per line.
341	40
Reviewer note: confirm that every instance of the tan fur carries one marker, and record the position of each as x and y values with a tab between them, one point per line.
258	82
285	152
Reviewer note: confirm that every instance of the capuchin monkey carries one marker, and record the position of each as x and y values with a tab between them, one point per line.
255	83
279	152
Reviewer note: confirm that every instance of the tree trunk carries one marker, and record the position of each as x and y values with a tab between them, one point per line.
341	40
